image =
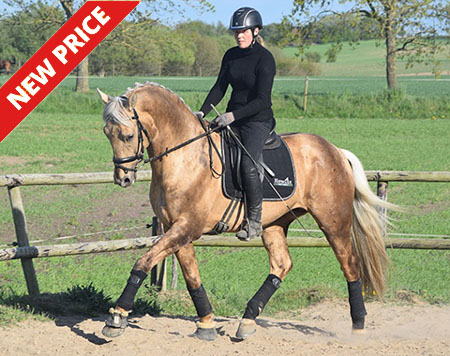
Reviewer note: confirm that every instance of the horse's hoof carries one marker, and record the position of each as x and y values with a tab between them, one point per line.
206	331
246	328
115	324
359	331
109	331
358	327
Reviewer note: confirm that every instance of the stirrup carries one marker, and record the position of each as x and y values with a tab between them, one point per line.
252	230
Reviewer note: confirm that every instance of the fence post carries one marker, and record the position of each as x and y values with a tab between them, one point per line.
305	95
174	281
20	226
158	274
382	188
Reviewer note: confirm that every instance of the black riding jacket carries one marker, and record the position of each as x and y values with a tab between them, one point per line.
250	72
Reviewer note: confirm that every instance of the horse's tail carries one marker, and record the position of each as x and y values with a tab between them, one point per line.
367	230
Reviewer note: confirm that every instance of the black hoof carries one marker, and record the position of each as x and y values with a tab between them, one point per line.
115	324
358	324
206	334
109	331
358	327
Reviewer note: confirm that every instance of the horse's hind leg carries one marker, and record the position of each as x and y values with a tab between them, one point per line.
335	219
206	326
274	239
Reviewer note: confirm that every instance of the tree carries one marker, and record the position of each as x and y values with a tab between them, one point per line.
207	56
148	14
409	28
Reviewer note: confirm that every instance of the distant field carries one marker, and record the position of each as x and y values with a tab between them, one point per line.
421	86
367	59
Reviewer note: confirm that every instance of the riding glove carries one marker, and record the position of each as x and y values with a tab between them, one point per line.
199	114
223	120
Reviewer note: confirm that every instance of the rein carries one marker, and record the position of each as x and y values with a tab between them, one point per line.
139	155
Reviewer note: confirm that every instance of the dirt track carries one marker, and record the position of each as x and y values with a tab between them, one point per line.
323	329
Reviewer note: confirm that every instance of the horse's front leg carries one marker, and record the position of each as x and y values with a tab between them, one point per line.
180	234
274	239
206	326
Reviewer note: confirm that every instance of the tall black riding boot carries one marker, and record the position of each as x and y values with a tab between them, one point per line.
254	198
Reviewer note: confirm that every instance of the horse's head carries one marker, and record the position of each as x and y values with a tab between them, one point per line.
126	134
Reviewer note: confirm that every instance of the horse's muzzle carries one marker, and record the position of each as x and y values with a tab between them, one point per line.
126	180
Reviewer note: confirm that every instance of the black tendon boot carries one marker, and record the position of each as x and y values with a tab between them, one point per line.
254	198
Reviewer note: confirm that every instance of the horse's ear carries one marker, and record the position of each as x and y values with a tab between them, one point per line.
105	97
132	101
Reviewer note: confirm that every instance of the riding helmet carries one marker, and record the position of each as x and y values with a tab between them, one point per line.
244	18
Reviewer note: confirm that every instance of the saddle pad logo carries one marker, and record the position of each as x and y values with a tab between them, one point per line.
283	182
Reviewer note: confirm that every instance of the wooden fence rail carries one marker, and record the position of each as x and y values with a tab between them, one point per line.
26	253
13	180
205	241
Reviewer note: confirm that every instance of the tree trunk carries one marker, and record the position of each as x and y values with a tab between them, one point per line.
83	76
391	50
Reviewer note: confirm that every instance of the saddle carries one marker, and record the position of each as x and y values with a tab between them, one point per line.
276	168
276	171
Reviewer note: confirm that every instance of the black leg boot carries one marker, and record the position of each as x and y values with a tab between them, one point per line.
254	198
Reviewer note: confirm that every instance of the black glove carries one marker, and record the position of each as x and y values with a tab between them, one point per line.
223	120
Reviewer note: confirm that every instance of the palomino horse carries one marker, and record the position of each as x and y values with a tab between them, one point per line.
188	199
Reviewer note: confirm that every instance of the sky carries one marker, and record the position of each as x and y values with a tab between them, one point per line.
270	10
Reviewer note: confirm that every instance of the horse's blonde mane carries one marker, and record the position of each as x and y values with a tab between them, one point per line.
115	111
157	85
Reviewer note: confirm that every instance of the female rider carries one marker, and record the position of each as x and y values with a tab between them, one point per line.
250	69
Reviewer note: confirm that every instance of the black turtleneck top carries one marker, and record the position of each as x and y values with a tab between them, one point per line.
250	72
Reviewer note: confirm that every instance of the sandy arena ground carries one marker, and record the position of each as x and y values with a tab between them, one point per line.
322	329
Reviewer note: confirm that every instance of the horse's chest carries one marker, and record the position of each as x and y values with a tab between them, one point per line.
159	202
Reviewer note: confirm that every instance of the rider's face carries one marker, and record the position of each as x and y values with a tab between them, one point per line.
244	38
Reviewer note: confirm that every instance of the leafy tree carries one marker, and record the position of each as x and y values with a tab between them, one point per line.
273	33
351	28
148	14
409	28
22	34
210	42
207	56
203	28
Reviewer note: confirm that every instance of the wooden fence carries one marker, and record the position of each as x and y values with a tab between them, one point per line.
26	253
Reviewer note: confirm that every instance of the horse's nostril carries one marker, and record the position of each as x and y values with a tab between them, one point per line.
127	180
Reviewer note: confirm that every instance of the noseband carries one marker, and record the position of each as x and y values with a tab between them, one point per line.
139	155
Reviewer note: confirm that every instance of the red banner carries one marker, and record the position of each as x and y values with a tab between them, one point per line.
57	58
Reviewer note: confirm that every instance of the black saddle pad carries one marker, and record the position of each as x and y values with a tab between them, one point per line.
278	160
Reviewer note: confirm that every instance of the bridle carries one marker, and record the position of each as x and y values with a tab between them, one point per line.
139	155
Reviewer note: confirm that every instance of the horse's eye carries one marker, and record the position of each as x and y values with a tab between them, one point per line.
129	137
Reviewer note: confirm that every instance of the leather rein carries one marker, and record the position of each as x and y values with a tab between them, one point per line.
140	150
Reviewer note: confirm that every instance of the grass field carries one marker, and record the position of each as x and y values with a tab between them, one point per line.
368	59
64	134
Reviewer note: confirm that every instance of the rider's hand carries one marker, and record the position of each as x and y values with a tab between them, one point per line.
223	120
200	114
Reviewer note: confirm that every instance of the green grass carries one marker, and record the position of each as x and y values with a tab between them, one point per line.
64	134
424	87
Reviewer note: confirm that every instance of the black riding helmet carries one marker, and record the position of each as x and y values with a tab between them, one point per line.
244	18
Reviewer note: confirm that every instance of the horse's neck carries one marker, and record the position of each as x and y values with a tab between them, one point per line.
171	131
